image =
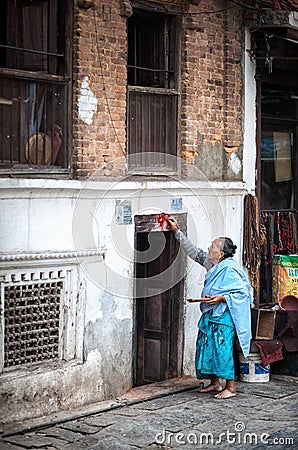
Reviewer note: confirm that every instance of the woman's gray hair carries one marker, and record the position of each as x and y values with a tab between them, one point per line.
228	247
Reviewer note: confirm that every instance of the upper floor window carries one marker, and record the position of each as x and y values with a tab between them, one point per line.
151	50
153	68
34	85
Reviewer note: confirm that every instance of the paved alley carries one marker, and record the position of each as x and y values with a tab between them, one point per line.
172	416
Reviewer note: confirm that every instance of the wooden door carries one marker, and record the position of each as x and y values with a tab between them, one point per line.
159	289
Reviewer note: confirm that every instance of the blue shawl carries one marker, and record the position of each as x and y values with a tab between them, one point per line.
228	279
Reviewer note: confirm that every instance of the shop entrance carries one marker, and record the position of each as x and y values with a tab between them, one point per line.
274	46
278	189
159	292
275	50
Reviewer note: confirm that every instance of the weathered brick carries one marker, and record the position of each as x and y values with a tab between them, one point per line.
211	69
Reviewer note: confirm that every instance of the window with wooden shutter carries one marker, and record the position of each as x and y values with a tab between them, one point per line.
152	90
34	85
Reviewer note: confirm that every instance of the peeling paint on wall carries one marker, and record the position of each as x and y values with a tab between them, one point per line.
235	163
87	102
109	341
210	158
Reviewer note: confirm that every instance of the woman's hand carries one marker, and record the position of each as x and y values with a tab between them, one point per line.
173	223
214	299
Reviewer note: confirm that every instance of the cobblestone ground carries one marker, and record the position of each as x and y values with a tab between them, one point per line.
262	416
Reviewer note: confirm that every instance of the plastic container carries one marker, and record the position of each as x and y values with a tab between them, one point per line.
252	369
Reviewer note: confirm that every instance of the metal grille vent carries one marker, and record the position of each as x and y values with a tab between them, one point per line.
31	321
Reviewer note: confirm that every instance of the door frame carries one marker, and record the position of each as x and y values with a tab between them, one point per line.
148	223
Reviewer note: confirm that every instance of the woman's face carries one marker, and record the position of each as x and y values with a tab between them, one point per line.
215	252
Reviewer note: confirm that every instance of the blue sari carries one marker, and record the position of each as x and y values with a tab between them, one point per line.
214	348
220	323
228	279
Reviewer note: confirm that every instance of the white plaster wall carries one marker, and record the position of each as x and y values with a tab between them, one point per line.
212	213
250	118
48	215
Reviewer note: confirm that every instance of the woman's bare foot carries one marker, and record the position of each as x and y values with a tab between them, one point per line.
211	387
226	393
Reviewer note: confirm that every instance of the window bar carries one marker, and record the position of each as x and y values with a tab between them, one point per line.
35	108
162	128
56	117
139	137
156	61
53	121
20	138
146	143
56	97
278	210
135	54
166	138
28	50
166	47
38	123
157	126
150	70
162	131
27	133
64	135
130	133
154	136
7	136
46	60
44	89
41	126
11	135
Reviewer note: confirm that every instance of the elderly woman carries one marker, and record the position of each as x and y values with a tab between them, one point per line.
225	306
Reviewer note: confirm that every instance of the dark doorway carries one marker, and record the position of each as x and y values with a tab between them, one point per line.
275	50
159	292
278	190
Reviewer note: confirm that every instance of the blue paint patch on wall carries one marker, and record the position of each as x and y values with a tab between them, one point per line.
176	204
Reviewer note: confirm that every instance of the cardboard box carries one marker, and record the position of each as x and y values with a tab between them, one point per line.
265	324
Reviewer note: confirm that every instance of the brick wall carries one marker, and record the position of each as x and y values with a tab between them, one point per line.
211	87
100	53
212	78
